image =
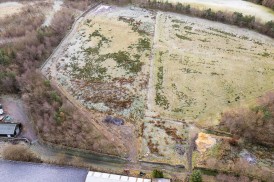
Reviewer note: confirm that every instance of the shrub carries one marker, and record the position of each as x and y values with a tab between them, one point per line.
157	174
233	142
270	25
55	97
196	176
6	56
19	153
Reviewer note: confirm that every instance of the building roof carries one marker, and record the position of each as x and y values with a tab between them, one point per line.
106	177
7	128
160	180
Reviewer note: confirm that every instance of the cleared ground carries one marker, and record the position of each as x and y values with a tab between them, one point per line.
164	141
202	67
135	63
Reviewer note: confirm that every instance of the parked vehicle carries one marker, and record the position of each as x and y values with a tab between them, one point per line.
1	109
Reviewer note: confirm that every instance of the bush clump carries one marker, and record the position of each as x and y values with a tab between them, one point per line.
196	176
157	174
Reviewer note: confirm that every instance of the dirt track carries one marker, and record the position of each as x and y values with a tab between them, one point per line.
14	107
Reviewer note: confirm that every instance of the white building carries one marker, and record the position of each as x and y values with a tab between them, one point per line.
106	177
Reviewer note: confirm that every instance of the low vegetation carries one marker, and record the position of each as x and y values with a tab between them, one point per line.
196	176
19	152
255	124
157	174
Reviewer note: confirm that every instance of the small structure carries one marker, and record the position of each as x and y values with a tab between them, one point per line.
161	180
107	177
10	129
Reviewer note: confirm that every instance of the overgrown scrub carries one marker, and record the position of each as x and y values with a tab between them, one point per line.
160	98
157	174
239	169
255	123
55	119
19	25
79	4
19	153
196	176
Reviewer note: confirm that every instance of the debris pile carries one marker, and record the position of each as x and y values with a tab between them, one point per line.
204	141
114	120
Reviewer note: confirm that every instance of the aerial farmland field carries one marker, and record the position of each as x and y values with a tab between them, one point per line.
162	70
202	67
106	63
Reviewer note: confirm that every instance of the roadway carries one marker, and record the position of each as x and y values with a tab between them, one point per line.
11	171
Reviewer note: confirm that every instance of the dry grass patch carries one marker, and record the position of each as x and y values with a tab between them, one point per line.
164	141
202	69
108	59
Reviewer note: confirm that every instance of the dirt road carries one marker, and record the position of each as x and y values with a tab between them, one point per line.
14	107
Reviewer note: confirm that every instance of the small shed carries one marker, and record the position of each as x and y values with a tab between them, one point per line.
10	129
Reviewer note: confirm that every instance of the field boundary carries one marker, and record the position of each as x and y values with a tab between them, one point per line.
69	32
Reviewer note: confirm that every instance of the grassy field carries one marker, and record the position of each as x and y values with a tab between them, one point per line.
106	64
202	68
130	61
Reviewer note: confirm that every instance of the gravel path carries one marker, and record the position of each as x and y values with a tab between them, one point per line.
57	5
29	172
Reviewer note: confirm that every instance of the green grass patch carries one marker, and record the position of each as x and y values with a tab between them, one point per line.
183	37
143	44
131	64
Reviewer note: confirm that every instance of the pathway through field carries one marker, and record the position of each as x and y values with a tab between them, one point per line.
151	89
